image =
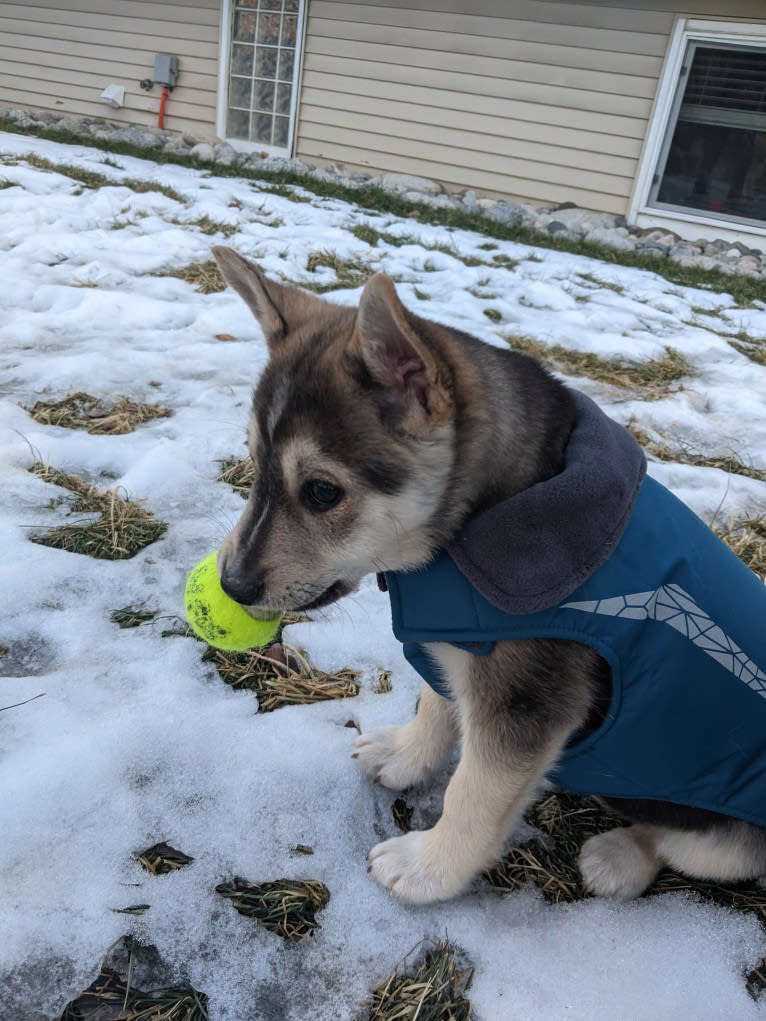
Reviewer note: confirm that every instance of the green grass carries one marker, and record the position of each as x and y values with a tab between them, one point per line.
745	290
94	179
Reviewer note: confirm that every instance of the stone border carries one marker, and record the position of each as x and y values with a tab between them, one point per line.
566	220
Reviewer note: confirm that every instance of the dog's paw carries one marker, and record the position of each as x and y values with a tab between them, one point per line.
614	864
401	865
389	759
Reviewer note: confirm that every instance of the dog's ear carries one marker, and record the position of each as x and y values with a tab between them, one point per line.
276	307
396	358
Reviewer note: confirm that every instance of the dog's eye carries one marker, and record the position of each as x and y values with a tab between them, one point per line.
321	495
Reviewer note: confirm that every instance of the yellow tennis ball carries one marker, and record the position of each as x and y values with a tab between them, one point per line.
219	620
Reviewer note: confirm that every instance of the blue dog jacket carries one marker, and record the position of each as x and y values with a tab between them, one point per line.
681	622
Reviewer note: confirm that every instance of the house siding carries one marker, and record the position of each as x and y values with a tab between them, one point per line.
59	55
543	101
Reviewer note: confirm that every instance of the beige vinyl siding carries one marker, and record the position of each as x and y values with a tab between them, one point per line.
59	55
542	100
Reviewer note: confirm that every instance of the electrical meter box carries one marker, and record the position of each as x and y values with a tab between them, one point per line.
165	69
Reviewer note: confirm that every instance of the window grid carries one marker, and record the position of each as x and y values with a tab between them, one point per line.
262	70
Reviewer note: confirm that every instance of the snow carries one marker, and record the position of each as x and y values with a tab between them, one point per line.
136	740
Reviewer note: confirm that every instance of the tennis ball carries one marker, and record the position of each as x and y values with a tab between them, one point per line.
219	620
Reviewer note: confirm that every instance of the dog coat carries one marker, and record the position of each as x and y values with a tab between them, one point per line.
678	617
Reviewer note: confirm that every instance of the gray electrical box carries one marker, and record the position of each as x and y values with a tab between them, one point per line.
165	69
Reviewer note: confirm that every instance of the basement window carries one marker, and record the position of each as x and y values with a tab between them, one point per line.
262	72
713	155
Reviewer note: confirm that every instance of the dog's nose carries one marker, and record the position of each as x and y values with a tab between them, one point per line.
248	591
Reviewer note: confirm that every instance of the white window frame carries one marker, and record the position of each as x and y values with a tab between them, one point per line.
685	223
241	144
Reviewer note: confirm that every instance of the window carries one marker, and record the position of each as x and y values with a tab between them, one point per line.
705	156
262	64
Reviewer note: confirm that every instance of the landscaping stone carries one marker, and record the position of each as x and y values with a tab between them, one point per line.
558	219
203	151
400	183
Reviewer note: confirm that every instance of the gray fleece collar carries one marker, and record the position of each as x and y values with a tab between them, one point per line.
533	550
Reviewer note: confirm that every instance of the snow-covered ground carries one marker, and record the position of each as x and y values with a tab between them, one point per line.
137	740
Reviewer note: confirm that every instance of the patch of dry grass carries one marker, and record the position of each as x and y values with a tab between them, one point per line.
286	907
750	347
663	450
94	179
122	528
651	378
349	273
746	537
204	276
132	616
110	998
281	678
239	474
550	861
432	989
160	859
83	411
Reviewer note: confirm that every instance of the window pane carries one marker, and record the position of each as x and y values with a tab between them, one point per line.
240	92
716	160
244	26
266	62
281	130
238	124
286	64
284	93
261	128
289	26
242	59
263	96
271	5
268	28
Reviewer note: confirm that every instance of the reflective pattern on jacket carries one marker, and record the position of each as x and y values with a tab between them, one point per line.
682	623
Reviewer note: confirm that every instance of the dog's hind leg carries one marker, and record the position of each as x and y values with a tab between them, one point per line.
399	757
624	862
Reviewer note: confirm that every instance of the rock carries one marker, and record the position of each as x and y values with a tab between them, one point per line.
583	221
144	138
506	213
556	227
283	164
435	201
400	183
682	249
203	151
321	174
611	238
749	264
225	154
652	249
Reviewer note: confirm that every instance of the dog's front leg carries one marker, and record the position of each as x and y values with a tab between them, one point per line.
409	754
502	761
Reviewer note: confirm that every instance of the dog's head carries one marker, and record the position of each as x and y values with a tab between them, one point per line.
352	437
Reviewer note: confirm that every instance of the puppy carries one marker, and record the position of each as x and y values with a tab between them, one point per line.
572	619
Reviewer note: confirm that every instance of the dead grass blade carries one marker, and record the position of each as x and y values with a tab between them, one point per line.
83	411
204	276
287	907
287	680
756	980
110	998
349	273
434	990
751	347
161	859
122	528
681	454
132	616
240	475
746	537
651	378
550	861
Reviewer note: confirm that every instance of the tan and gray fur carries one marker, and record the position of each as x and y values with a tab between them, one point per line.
375	434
